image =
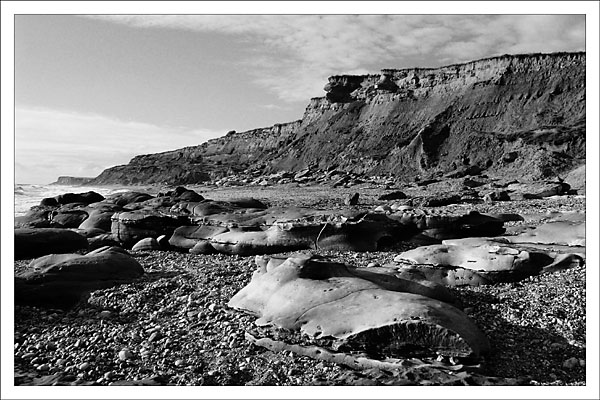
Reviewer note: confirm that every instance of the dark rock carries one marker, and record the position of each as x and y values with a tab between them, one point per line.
393	196
37	242
85	198
49	202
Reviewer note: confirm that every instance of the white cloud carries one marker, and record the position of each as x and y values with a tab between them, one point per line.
50	143
298	52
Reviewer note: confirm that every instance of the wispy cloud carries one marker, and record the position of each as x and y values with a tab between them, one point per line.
298	52
52	143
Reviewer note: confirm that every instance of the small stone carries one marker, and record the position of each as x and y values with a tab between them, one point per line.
109	375
154	336
556	346
211	307
179	363
581	362
84	366
43	367
125	354
373	265
105	314
27	355
571	363
352	200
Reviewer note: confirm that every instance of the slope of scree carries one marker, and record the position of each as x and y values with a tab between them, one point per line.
515	116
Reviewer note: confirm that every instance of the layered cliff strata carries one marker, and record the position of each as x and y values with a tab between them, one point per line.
519	116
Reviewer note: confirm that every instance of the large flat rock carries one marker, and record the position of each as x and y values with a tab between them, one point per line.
329	300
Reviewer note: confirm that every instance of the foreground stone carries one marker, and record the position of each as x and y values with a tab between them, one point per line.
358	309
61	280
35	242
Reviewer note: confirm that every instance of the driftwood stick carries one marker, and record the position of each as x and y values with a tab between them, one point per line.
358	363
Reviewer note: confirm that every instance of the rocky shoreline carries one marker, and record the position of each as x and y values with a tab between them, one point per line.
173	326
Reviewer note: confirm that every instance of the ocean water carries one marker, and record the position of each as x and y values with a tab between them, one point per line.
27	195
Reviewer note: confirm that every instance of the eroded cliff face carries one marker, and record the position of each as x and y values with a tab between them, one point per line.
517	116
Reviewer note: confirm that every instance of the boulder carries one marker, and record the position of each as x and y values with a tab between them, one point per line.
65	218
374	313
84	198
36	217
62	280
99	219
37	242
49	202
128	227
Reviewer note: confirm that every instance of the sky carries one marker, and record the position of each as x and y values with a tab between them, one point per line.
92	91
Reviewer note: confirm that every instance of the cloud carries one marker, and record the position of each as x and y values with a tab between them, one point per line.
49	143
273	107
296	53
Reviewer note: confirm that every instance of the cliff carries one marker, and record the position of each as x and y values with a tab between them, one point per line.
514	115
72	180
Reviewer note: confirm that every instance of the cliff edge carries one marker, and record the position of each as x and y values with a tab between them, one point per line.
516	116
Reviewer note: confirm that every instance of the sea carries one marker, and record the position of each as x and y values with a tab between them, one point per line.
28	195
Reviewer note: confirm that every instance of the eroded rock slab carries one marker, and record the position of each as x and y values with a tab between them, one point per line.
279	229
357	308
478	261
